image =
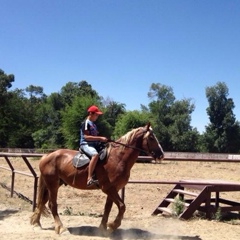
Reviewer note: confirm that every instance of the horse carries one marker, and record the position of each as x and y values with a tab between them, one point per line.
113	174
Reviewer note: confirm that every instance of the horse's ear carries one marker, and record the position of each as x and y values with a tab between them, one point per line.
148	126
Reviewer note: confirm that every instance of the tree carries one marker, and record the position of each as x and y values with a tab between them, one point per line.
5	84
17	128
172	119
112	111
5	96
18	119
73	89
128	121
162	99
22	118
223	132
34	91
48	135
183	136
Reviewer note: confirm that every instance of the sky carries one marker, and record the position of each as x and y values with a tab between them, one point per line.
121	47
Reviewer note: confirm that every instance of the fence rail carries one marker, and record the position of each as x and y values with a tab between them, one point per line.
181	156
200	157
11	168
169	156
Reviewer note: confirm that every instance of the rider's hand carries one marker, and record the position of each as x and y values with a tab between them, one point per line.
104	139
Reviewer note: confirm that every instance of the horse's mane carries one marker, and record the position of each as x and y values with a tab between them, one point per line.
125	140
128	137
129	141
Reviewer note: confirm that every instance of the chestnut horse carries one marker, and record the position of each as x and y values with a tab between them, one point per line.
113	173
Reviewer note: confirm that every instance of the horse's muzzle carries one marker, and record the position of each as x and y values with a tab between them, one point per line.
159	158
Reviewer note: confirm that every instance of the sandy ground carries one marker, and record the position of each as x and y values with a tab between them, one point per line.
80	211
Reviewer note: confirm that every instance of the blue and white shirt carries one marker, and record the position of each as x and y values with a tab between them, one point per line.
89	126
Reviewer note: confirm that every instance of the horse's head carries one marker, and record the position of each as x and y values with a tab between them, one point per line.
142	139
151	145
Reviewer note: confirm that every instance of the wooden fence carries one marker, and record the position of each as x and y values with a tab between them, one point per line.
169	156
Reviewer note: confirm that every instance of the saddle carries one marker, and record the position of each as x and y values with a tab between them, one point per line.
81	159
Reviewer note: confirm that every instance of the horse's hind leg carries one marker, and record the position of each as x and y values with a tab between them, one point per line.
42	200
53	185
41	209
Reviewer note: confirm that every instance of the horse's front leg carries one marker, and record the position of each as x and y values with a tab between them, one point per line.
107	209
114	196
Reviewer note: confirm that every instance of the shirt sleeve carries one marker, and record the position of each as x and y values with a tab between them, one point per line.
85	126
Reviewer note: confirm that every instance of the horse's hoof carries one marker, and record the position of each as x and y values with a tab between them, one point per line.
109	231
102	227
37	227
111	227
103	231
64	231
59	229
106	233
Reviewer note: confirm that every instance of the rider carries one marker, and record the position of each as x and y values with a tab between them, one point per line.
89	140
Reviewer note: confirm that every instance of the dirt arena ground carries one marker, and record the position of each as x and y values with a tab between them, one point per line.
80	211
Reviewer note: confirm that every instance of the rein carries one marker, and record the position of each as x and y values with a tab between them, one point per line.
125	145
128	146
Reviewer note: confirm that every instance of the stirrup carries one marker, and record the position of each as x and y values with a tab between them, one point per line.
91	181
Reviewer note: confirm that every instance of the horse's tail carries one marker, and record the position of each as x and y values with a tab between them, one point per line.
41	201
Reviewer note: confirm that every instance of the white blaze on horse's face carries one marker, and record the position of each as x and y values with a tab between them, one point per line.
161	150
154	147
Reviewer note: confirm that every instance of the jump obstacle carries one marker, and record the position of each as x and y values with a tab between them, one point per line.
204	197
201	196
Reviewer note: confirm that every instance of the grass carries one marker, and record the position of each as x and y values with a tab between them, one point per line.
68	211
218	215
177	206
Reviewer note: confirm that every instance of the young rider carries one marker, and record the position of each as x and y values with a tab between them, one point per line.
89	140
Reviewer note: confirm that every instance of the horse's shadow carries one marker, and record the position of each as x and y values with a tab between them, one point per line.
7	213
132	233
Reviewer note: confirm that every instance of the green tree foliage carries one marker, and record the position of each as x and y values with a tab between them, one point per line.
223	132
183	136
29	118
33	105
72	89
112	111
18	123
5	85
128	121
48	135
160	107
10	120
52	134
172	119
6	108
34	91
19	114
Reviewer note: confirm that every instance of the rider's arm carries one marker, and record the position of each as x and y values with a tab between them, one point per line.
94	138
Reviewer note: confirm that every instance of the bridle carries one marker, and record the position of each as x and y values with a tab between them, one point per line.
133	147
